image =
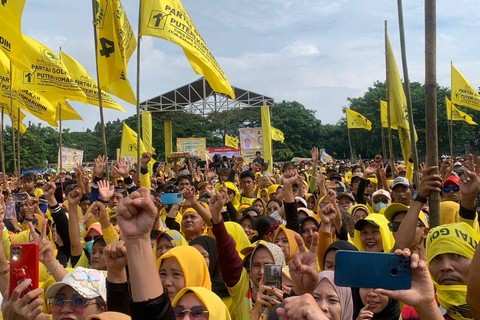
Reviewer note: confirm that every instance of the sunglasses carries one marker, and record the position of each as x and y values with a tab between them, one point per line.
90	238
197	312
77	303
377	200
447	189
394	225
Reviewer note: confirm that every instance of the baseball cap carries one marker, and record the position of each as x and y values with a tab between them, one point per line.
335	176
89	284
346	194
401	181
300	201
452	179
382	192
393	209
363	222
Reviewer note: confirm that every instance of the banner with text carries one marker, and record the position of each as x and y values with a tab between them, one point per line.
194	146
251	141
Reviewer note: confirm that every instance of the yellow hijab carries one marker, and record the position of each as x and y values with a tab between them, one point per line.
233	187
387	237
215	306
193	264
239	235
291	241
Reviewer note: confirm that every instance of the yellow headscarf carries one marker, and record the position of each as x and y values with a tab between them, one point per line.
193	264
215	306
233	187
272	189
290	234
239	235
449	212
387	238
354	208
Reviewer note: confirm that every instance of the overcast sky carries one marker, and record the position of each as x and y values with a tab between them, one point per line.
317	52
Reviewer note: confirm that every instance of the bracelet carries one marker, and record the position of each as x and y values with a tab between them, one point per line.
55	270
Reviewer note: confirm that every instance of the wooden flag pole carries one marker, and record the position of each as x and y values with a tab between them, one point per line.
14	147
100	104
60	139
389	116
139	124
352	157
18	138
431	104
2	145
413	145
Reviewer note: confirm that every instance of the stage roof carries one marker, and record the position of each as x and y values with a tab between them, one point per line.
198	97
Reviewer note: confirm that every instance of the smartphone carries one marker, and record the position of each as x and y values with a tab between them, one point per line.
372	270
10	212
171	198
24	263
19	197
272	275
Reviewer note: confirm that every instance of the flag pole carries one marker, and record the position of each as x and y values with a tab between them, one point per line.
389	116
413	145
2	145
431	104
100	104
14	144
382	133
139	125
60	139
18	138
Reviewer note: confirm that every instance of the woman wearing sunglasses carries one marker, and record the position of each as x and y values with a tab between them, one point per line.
200	304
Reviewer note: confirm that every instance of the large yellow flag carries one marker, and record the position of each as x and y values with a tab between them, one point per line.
398	103
384	115
34	103
16	117
115	45
46	73
357	121
64	111
88	85
463	93
277	135
170	21
454	114
11	41
231	142
128	146
147	131
267	137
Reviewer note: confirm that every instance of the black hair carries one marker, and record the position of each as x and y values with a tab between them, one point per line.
247	174
28	177
183	177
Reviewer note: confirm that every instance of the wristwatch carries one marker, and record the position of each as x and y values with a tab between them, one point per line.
417	197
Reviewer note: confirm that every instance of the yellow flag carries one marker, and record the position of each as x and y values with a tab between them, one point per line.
115	45
357	121
34	103
231	142
128	146
463	93
398	104
15	115
170	21
64	111
384	115
147	131
11	41
168	137
456	115
277	135
267	136
88	85
46	73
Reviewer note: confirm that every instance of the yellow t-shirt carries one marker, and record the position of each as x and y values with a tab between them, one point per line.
241	295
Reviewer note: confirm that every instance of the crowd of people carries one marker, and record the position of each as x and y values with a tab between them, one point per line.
112	247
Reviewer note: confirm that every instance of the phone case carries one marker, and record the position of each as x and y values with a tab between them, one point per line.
171	198
272	275
372	270
24	263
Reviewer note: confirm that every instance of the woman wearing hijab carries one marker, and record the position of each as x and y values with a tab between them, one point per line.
183	267
374	306
328	258
207	247
372	234
336	302
285	239
168	240
199	303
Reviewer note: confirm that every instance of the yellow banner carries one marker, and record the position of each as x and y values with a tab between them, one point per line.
128	145
11	41
115	45
168	138
46	73
463	93
170	21
15	115
194	146
34	103
384	115
398	104
267	137
147	131
277	135
231	141
454	114
88	85
357	121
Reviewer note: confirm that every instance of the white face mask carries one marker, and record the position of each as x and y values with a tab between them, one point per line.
379	206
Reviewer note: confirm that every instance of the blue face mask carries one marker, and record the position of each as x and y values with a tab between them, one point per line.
379	206
89	246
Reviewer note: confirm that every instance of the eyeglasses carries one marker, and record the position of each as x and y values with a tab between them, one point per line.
377	200
90	238
447	189
198	312
394	225
77	303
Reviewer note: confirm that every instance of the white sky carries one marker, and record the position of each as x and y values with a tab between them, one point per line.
317	52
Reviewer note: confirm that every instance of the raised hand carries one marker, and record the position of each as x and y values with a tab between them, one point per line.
303	266
189	196
100	166
74	196
430	182
370	170
116	256
145	159
216	205
99	211
136	214
122	168
105	190
314	154
470	183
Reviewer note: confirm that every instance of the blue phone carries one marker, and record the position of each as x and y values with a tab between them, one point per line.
171	198
372	270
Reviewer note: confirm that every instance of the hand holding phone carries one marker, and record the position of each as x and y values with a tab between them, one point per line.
24	264
272	275
171	198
